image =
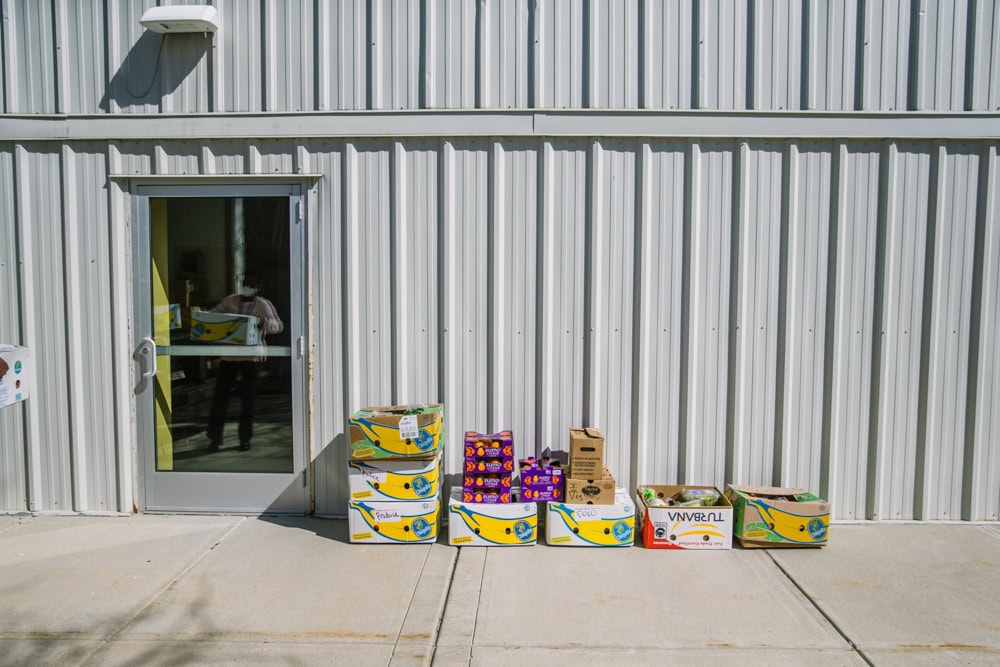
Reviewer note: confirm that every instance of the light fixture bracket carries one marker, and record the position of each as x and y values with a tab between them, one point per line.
181	18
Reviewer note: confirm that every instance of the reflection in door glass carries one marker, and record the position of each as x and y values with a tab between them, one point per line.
221	292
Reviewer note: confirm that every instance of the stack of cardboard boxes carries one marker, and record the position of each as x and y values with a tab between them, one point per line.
394	474
486	511
594	513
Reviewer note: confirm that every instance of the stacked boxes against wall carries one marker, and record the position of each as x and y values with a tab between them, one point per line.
394	474
486	510
594	513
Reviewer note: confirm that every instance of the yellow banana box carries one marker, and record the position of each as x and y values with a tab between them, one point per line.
574	525
678	527
397	432
496	525
393	522
769	516
224	328
390	479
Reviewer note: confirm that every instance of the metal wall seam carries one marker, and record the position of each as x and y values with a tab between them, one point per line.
513	301
775	34
13	419
982	477
238	58
562	267
31	85
658	274
705	353
558	54
939	55
124	425
327	329
44	321
947	338
721	66
464	284
982	75
901	321
850	356
412	269
613	54
289	59
609	310
79	414
885	57
830	55
666	54
799	435
753	350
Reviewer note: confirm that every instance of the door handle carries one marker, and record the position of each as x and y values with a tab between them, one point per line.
148	346
145	353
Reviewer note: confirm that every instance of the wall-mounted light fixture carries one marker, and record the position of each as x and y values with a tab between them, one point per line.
181	18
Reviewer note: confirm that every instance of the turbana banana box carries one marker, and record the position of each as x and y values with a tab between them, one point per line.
389	480
573	525
393	522
695	528
500	525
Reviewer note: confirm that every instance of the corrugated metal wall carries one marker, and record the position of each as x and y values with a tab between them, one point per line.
92	56
810	312
819	314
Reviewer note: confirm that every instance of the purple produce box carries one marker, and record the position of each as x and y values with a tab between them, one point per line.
489	466
533	474
487	496
473	481
489	446
541	493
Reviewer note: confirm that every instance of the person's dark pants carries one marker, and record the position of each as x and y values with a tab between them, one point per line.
227	375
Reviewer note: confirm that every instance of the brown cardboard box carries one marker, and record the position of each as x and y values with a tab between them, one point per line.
586	453
598	491
677	527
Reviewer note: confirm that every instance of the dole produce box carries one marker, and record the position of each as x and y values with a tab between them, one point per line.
224	328
769	516
575	525
391	479
684	517
397	432
15	374
500	525
600	491
401	522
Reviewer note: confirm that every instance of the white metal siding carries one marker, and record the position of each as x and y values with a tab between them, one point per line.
86	56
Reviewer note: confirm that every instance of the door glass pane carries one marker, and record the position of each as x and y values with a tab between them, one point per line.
221	295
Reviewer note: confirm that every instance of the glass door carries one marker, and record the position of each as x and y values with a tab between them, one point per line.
219	349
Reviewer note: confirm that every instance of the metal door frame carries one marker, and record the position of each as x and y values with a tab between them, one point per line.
221	493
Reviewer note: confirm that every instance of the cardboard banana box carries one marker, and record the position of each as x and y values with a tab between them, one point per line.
501	525
393	522
389	479
769	516
576	525
397	432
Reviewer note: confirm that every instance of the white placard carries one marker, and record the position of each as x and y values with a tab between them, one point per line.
408	427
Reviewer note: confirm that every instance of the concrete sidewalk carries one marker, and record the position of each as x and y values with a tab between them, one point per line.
173	590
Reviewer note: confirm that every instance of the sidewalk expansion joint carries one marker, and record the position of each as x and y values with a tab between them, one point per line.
156	596
822	612
447	597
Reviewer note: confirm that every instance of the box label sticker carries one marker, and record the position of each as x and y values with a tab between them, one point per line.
587	514
373	475
387	516
408	427
361	495
462	540
357	537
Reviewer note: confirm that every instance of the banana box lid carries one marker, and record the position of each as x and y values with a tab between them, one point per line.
477	524
576	525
